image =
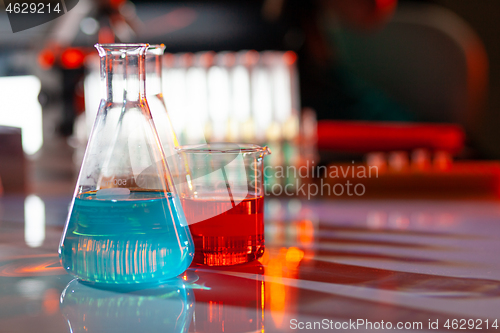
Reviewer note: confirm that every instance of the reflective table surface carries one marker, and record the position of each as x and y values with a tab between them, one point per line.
328	265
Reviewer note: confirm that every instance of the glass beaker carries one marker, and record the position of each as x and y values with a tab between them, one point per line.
126	224
223	199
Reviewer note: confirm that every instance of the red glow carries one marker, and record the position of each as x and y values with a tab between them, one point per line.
34	265
170	22
187	60
289	57
382	4
378	136
72	58
116	3
106	35
46	58
229	59
51	301
180	18
207	59
293	257
251	58
169	59
305	230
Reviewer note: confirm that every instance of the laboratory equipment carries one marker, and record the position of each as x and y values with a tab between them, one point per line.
163	124
223	198
156	103
244	96
126	224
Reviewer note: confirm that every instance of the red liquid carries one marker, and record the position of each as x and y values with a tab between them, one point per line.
235	236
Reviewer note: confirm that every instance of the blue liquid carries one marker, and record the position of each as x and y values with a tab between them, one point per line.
126	241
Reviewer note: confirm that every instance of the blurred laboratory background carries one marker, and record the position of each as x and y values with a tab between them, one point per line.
408	86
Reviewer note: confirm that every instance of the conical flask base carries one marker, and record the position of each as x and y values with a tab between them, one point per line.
124	240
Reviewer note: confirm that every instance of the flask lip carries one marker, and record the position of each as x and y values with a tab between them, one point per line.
224	148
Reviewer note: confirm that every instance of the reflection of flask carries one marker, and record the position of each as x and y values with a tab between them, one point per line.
230	303
167	308
126	224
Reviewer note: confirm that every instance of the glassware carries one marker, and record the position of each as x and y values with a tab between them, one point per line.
165	308
223	199
156	102
126	224
154	96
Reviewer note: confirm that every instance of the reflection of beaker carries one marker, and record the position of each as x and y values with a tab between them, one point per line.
166	308
126	224
223	198
231	302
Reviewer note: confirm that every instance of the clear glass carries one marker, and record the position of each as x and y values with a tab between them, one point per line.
223	198
126	224
156	102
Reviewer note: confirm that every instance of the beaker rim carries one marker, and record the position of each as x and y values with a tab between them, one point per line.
123	45
223	148
104	49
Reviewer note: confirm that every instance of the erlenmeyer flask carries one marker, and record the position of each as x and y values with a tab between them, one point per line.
156	102
126	224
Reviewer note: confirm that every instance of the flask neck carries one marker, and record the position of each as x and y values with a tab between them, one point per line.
123	72
154	69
